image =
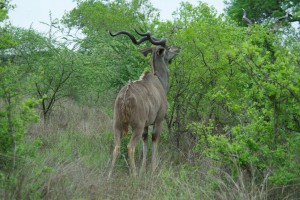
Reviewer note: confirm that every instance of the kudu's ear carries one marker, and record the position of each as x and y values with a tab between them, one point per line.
160	51
146	51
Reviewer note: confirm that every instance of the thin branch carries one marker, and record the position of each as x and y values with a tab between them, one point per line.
287	15
245	18
277	21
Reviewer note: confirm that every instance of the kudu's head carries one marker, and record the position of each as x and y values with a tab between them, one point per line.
161	54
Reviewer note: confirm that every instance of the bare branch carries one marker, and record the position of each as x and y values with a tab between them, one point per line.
287	15
277	21
245	18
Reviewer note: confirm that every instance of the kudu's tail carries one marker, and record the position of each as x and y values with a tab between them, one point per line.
126	117
128	104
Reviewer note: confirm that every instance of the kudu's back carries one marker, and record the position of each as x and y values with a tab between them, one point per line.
140	103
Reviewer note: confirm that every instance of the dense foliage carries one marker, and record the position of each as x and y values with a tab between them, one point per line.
16	107
239	90
233	101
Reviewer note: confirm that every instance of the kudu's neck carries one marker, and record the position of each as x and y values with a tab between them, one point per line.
160	69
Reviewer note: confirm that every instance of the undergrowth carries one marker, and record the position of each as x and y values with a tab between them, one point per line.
72	156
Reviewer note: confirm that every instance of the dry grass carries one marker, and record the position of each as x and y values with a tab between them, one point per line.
69	116
73	159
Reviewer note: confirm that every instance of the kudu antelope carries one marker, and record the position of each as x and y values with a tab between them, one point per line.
142	103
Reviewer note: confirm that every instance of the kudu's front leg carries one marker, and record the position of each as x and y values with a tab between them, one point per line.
145	149
155	138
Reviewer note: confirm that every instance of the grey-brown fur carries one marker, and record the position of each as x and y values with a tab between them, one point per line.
142	103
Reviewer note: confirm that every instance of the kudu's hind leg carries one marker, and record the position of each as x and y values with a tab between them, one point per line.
117	139
155	137
145	149
136	134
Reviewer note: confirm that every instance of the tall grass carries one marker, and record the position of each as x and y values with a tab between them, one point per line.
73	157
